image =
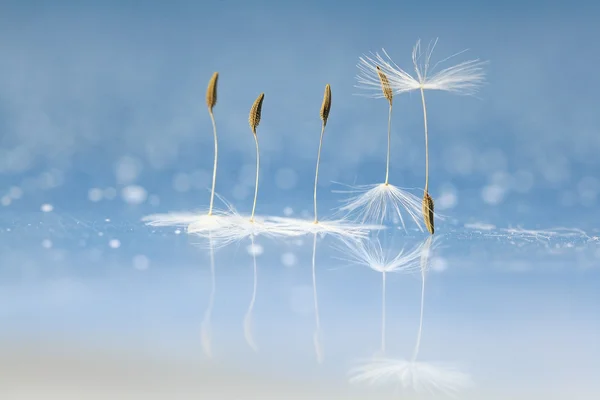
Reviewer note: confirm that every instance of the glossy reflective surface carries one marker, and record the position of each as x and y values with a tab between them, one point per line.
145	314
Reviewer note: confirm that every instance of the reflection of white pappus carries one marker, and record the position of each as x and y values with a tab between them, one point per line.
422	377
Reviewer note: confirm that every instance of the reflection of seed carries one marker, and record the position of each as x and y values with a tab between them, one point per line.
428	212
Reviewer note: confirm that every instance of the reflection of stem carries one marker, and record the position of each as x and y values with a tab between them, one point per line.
206	340
418	345
424	261
212	193
248	317
383	313
387	168
426	142
317	169
318	323
256	183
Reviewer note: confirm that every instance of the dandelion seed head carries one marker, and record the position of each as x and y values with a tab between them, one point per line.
462	78
289	259
379	203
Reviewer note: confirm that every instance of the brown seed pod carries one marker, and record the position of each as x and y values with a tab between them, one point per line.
211	92
385	85
326	106
255	111
428	212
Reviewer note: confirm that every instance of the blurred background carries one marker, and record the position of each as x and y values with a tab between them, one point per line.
103	120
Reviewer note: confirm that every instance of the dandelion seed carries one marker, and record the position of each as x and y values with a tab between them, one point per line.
211	101
463	78
254	120
341	227
373	201
325	108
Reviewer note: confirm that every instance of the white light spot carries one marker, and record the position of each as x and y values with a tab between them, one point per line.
47	243
100	234
110	193
286	178
493	194
288	211
289	259
95	195
141	262
178	231
448	198
5	201
480	226
127	169
181	182
107	220
15	192
255	249
47	207
439	264
114	243
134	194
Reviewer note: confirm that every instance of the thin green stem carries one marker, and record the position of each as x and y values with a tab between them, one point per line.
317	169
426	142
212	193
256	184
389	135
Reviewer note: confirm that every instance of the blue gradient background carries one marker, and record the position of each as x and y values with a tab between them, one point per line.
106	95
